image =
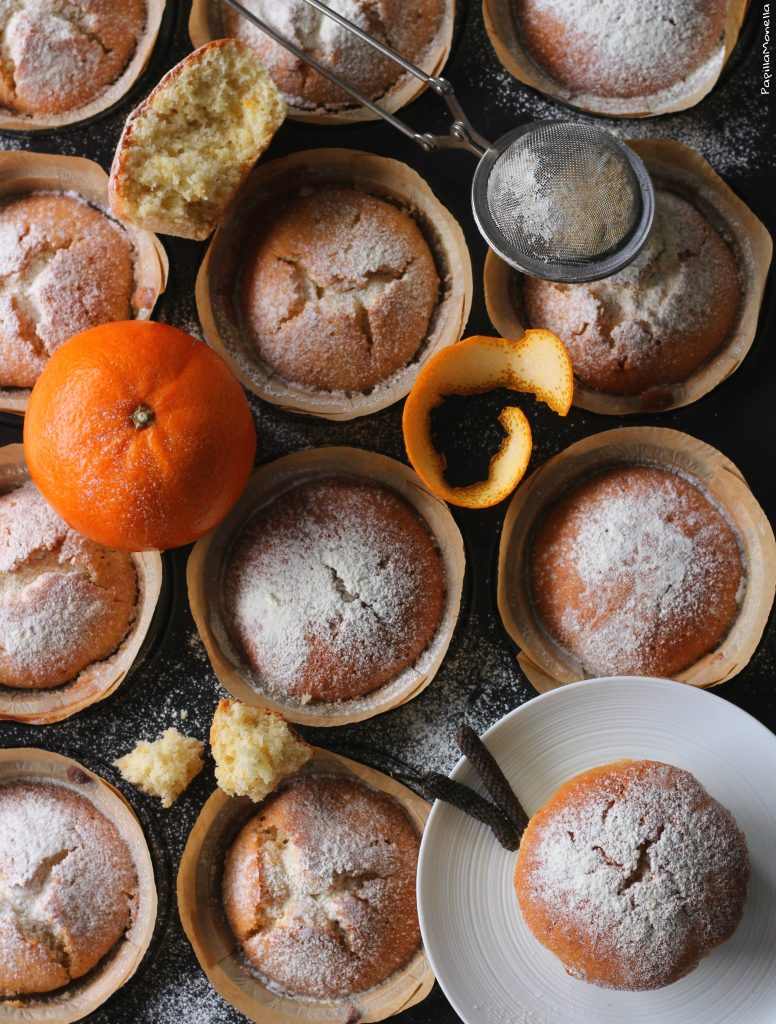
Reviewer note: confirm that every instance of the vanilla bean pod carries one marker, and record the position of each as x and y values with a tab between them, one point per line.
486	766
439	787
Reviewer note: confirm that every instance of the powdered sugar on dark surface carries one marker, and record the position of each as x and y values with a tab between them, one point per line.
479	681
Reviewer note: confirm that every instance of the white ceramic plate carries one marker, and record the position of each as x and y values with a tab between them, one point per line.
490	966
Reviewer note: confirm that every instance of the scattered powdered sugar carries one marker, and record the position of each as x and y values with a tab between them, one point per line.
631	568
61	605
66	876
619	50
29	526
644	864
336	862
562	196
324	582
411	33
656	321
729	133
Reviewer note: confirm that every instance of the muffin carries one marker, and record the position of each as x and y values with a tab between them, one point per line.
636	571
657	321
631	873
410	31
621	51
64	266
338	291
68	887
333	588
59	56
65	602
319	888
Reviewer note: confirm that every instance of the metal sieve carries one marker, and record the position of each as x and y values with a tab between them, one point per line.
563	201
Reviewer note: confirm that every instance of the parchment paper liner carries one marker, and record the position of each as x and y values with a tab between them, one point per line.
205	24
683	171
10	121
205	924
82	996
274	183
207	562
101	678
545	663
22	172
504	36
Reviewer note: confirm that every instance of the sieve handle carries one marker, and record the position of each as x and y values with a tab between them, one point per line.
460	135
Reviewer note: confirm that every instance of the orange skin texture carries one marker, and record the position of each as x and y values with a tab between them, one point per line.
139	489
538	363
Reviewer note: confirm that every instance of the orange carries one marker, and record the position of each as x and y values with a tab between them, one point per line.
139	435
538	363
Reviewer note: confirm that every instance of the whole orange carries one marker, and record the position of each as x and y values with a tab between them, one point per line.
139	435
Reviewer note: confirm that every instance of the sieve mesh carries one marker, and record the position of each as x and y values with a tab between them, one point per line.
564	194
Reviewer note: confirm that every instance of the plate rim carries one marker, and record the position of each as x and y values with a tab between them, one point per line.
658	682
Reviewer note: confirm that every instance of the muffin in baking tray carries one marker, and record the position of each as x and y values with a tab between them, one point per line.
64	266
319	888
635	571
333	588
631	873
65	602
338	291
59	56
621	50
68	887
411	29
657	321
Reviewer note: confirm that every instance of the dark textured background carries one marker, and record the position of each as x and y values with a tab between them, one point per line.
479	681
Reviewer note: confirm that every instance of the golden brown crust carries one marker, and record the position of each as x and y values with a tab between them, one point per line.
171	172
59	55
64	267
65	602
617	50
68	887
408	28
631	873
338	291
319	887
634	571
658	321
333	589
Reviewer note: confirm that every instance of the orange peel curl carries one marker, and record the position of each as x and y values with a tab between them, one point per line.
537	364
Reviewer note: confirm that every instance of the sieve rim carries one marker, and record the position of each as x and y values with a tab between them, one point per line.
564	273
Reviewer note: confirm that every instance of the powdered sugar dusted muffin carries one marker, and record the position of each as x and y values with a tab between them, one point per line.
319	888
631	874
338	292
657	321
333	588
408	28
68	887
59	55
64	266
65	602
635	571
621	50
